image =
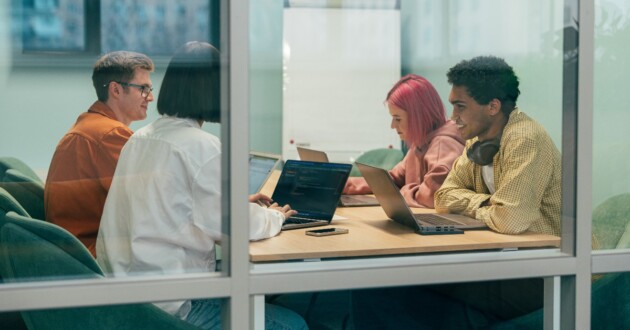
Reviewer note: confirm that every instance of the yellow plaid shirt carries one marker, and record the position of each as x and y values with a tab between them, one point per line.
527	177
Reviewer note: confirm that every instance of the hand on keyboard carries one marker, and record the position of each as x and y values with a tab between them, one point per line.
285	210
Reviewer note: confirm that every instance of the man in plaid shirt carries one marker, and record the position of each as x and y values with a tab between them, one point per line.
509	175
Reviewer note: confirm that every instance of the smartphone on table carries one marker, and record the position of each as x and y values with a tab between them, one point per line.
327	231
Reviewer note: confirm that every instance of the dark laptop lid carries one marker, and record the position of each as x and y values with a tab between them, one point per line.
260	168
311	188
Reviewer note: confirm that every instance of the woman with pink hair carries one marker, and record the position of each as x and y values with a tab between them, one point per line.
434	142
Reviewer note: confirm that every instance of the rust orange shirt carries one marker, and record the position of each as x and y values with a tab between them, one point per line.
81	172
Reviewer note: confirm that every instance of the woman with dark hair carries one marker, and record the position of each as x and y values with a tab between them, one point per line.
163	211
419	118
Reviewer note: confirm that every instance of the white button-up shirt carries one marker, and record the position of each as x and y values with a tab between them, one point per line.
163	211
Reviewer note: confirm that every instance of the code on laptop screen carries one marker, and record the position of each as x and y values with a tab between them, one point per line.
312	188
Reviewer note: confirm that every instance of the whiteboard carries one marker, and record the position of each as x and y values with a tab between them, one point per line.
338	66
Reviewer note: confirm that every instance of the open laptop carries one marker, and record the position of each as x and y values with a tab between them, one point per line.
261	166
312	155
311	188
394	205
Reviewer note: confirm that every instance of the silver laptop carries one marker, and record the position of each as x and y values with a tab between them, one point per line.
312	155
311	188
261	165
394	205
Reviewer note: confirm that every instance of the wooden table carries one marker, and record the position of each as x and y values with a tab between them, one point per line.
371	233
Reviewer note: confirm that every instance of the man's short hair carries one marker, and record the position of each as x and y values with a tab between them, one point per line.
117	66
487	78
191	87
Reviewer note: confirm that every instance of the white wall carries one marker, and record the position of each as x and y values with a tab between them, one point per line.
337	68
39	105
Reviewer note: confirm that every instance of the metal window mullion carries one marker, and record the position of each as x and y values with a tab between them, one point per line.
235	137
584	209
576	290
99	291
380	275
610	261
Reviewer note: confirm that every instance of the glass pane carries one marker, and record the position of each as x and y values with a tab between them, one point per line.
609	296
132	316
158	28
49	25
444	306
476	305
320	310
321	73
610	138
320	77
74	218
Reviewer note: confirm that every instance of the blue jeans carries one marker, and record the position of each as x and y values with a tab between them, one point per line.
206	314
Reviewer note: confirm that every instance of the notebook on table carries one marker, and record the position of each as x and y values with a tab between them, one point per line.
261	166
312	155
396	208
311	188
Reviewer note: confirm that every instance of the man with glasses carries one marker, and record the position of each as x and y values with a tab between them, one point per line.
84	161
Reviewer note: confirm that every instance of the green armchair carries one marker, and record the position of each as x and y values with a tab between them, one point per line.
26	190
7	163
10	320
10	204
610	220
384	158
32	250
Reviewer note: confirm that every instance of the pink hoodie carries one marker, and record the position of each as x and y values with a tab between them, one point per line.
423	170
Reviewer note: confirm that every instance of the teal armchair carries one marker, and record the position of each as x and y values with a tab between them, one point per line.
32	250
610	220
26	190
384	158
7	163
10	320
10	204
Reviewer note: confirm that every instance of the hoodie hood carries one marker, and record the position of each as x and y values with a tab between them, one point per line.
449	129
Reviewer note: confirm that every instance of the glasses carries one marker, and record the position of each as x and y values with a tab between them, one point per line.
144	90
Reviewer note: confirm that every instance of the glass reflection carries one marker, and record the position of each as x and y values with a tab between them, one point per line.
611	148
45	25
153	27
133	316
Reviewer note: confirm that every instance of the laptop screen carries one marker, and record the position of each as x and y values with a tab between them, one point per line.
311	188
260	168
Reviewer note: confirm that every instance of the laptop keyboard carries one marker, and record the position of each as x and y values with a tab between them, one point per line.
434	219
298	220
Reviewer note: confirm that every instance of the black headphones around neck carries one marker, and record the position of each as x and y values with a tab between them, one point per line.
482	152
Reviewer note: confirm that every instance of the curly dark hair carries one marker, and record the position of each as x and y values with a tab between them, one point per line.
487	78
